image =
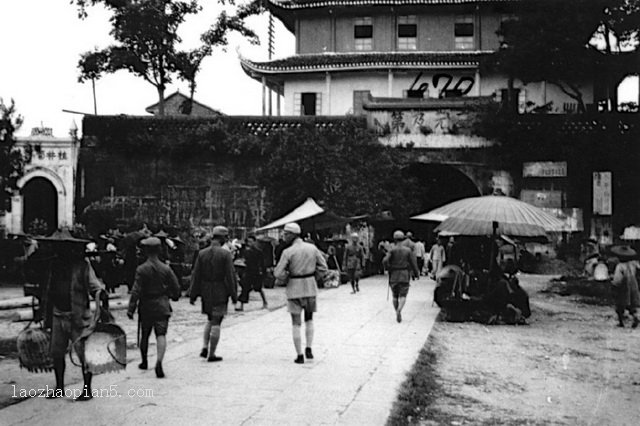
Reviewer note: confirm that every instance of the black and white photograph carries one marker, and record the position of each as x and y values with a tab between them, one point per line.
319	212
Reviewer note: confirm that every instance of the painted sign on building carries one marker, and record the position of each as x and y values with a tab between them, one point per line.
602	204
545	169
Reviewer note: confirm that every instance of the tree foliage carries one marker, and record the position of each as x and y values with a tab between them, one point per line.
560	42
12	160
147	40
344	167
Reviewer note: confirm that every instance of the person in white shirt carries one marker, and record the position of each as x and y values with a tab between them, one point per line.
419	251
299	266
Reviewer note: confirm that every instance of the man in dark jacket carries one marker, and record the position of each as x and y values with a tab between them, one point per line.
214	280
401	264
72	283
253	273
154	284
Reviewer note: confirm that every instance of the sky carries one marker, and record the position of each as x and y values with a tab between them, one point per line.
42	41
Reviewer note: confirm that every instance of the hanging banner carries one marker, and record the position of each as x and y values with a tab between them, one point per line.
602	204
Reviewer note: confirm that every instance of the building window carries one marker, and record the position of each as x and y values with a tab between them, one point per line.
308	103
363	33
407	32
464	32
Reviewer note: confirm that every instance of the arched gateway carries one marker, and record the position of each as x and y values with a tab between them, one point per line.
44	199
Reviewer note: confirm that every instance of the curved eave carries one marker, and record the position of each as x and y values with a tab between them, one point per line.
292	5
252	68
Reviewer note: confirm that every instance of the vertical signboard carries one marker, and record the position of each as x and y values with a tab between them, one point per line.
602	193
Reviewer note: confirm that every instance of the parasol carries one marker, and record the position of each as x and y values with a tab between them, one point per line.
454	226
490	213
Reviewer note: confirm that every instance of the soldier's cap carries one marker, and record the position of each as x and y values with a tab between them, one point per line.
220	231
398	235
293	227
354	235
151	242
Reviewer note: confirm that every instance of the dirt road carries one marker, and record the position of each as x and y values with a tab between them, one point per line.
570	365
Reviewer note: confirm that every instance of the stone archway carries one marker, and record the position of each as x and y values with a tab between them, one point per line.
40	206
440	184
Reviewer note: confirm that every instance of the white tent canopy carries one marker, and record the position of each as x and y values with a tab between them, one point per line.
304	211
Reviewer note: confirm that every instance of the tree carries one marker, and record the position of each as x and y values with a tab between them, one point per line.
554	41
12	159
146	34
345	167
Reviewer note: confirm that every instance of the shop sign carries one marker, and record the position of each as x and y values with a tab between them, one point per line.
545	169
602	204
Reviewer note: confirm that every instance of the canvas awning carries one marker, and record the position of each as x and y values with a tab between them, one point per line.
304	211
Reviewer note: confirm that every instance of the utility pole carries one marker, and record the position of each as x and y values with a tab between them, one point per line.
95	104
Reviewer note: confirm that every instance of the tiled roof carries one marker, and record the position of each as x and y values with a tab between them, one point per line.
365	60
311	4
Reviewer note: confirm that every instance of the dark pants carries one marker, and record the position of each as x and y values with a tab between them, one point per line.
249	283
420	261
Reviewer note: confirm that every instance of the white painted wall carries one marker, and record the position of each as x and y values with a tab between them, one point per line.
57	163
343	84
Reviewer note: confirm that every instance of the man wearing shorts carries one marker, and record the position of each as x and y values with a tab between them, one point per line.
214	279
299	265
154	284
401	264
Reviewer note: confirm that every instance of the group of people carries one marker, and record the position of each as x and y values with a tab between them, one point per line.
214	279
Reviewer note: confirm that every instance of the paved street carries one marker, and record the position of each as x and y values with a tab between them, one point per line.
361	356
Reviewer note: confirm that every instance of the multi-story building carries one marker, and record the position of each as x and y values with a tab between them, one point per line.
413	67
348	51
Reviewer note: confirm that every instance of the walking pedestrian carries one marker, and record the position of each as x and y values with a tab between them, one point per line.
299	266
253	273
401	265
437	257
154	285
419	252
625	284
72	282
353	261
214	280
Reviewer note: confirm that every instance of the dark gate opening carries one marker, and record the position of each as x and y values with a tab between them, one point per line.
433	185
40	207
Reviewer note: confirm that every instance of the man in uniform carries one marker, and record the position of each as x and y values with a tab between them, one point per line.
154	285
401	264
73	281
253	273
299	266
214	280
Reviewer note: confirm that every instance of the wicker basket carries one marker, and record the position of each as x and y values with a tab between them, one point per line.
33	350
